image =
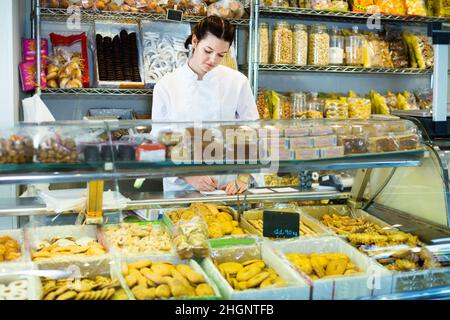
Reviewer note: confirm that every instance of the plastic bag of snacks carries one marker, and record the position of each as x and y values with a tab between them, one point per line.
189	7
423	50
191	238
229	9
441	8
416	7
336	108
391	6
359	108
391	100
28	67
406	101
397	49
424	98
68	67
16	149
264	104
281	106
56	148
230	59
376	52
379	105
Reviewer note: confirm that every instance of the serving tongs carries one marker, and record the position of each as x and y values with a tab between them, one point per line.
50	274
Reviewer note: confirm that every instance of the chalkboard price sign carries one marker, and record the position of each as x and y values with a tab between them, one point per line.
174	15
279	224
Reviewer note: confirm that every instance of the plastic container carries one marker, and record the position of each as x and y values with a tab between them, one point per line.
300	45
263	43
314	106
282	43
336	47
319	45
354	48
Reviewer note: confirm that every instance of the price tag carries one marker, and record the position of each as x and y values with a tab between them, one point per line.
174	15
278	224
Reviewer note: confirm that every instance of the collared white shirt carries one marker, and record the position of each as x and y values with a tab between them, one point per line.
223	94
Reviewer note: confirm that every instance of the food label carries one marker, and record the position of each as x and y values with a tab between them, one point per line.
336	55
174	15
278	224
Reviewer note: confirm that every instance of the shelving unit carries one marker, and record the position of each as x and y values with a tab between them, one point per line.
341	69
50	14
98	91
343	16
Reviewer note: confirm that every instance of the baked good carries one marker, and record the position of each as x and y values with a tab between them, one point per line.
382	144
9	249
353	144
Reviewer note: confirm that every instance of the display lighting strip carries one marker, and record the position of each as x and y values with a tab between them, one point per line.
343	15
343	69
98	91
51	14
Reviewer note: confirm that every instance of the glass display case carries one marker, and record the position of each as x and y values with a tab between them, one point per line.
384	232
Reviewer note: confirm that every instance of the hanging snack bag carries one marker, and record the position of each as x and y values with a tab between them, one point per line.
69	66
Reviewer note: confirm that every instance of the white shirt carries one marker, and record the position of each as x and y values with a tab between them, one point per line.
224	94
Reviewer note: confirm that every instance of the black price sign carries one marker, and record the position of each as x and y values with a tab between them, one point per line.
174	15
279	224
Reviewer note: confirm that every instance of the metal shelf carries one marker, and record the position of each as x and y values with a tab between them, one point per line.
141	200
98	91
80	172
50	14
343	16
344	69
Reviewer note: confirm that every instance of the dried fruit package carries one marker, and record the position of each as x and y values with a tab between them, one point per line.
69	66
376	52
416	7
391	6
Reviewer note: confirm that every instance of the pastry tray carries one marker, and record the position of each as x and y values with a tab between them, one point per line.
296	288
34	235
374	280
17	235
118	252
174	260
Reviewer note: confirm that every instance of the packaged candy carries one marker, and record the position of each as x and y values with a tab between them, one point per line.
27	72
29	50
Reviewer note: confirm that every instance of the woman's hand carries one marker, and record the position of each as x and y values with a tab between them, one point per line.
234	187
202	183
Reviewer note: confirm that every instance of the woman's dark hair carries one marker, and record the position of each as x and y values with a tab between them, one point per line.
217	26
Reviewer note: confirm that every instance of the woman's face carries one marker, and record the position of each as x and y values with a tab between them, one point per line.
209	52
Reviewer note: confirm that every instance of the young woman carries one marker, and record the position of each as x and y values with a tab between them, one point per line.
203	90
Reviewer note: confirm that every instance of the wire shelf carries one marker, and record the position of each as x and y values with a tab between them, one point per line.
343	69
345	15
51	14
99	91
